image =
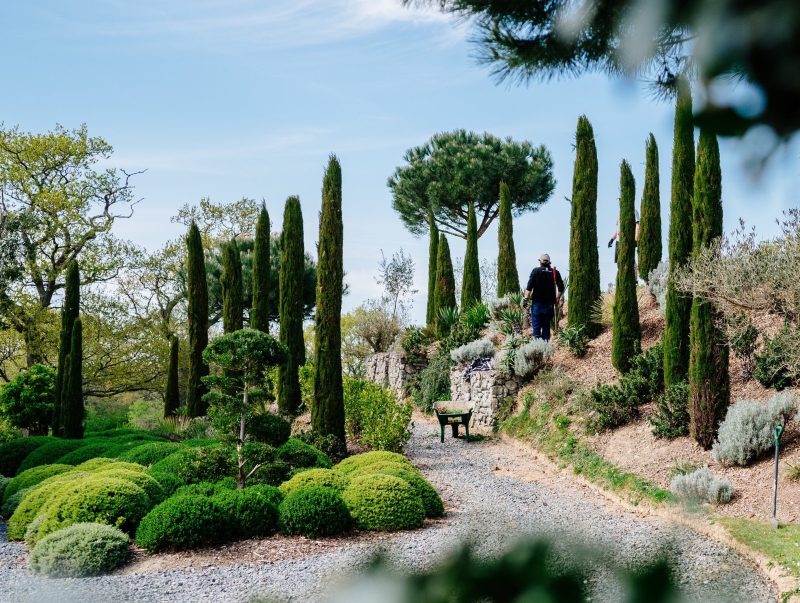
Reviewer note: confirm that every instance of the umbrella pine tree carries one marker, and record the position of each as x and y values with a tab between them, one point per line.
507	275
259	308
69	312
197	317
471	283
649	243
433	252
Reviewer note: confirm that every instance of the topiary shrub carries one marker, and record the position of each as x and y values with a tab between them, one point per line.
298	454
532	357
209	464
84	453
273	494
99	499
146	482
671	418
115	433
383	503
149	454
37	498
199	443
749	428
34	477
14	452
94	464
111	464
169	483
482	348
4	481
83	549
48	453
207	488
271	474
33	530
269	429
182	522
370	458
170	464
335	448
378	466
250	512
431	501
315	478
770	365
313	512
11	503
701	486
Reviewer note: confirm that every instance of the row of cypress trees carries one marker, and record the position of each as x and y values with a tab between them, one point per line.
69	410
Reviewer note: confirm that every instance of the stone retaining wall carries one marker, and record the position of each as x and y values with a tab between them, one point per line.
484	393
393	370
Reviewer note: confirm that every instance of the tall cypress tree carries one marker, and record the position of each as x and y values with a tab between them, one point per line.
433	252
259	309
507	275
291	306
232	294
679	305
172	400
327	413
649	243
69	312
471	283
584	259
445	291
197	315
72	407
627	336
709	381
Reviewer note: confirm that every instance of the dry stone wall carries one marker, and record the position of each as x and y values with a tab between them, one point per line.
484	393
393	370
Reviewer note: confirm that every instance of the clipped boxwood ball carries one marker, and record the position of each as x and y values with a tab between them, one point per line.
84	453
82	549
384	503
249	513
354	463
146	482
48	453
272	493
114	433
111	464
170	464
269	429
315	478
314	512
11	503
34	477
14	452
431	501
37	498
271	474
182	522
4	481
149	454
207	488
99	499
169	483
379	467
95	464
199	443
299	454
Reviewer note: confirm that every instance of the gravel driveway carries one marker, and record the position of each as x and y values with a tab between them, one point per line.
493	494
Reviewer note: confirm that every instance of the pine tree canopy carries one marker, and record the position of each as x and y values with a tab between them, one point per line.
524	40
454	169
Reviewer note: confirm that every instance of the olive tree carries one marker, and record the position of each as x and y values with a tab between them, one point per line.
241	360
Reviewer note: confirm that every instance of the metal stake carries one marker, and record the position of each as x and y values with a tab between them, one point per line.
774	520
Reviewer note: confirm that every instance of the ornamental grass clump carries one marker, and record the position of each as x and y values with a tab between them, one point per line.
315	478
314	512
482	348
183	522
749	428
34	477
701	486
384	503
83	549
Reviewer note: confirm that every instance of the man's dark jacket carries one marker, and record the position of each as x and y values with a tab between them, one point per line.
542	286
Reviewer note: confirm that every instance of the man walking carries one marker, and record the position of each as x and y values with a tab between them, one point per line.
544	289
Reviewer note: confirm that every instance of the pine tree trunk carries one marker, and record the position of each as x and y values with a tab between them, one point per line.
471	283
649	243
709	380
507	275
232	294
74	411
172	400
327	413
259	308
291	307
627	336
433	250
679	305
584	259
69	312
445	291
197	316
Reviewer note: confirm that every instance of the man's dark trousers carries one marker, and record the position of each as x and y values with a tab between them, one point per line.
541	315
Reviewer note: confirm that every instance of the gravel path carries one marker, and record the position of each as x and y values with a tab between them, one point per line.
493	494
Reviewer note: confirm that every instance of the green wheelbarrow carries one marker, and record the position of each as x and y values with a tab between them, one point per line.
453	418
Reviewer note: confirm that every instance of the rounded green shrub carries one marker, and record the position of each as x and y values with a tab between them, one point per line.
4	481
315	478
37	498
271	474
33	530
272	493
115	433
209	464
249	513
182	522
84	453
48	453
170	464
99	499
82	549
207	488
299	454
199	443
431	501
169	483
379	467
146	482
95	464
11	503
149	454
14	452
34	477
383	503
314	512
269	429
354	463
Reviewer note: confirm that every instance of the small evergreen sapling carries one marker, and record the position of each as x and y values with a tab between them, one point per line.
244	355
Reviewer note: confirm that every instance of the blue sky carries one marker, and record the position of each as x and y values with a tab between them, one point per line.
245	98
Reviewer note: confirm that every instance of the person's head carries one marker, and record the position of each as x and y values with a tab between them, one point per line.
544	260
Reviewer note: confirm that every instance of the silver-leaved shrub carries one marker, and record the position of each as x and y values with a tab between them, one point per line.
482	348
701	486
531	357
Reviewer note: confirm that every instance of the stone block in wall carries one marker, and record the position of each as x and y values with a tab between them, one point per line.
393	370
